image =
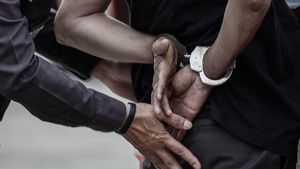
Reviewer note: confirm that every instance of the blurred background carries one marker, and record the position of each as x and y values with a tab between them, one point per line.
28	143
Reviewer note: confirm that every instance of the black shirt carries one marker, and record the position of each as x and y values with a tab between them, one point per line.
261	102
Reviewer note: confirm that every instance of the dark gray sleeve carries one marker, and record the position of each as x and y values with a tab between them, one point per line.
45	91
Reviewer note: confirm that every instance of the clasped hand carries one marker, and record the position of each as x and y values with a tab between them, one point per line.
179	94
177	98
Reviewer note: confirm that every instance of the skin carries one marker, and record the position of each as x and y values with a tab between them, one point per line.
86	25
241	21
148	135
86	29
180	93
185	86
119	10
116	76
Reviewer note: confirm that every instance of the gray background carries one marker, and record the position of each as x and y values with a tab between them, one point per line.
28	143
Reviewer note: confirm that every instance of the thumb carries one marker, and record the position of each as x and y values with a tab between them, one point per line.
160	46
177	121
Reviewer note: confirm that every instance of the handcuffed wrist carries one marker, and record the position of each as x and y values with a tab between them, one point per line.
196	64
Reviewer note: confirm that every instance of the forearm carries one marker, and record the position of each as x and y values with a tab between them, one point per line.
78	62
90	30
118	9
42	88
241	21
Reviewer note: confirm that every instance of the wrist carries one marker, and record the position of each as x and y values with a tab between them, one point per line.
209	68
216	67
197	64
129	116
197	81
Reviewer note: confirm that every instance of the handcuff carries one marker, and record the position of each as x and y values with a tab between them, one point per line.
195	60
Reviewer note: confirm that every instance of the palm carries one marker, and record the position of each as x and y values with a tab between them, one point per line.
166	51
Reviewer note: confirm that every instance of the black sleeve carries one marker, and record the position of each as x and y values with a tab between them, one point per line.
41	88
3	106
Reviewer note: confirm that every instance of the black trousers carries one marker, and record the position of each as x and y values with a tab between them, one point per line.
218	149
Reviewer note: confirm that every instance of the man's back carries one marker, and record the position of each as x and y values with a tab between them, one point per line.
263	92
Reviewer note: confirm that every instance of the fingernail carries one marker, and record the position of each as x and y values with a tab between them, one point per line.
187	125
164	39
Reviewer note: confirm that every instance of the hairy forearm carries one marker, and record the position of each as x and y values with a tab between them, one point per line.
91	30
241	21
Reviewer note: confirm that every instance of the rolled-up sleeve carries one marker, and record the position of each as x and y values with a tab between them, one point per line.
40	87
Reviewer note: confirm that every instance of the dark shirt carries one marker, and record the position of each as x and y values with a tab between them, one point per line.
261	101
40	87
3	106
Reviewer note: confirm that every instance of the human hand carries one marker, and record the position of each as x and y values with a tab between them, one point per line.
188	94
166	50
150	137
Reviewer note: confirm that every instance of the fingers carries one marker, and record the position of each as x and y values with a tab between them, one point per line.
180	135
163	68
171	119
165	160
152	139
161	104
176	133
183	152
156	105
163	76
176	121
159	83
160	46
166	105
173	131
159	86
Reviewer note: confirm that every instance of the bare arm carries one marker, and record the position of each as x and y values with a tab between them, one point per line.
241	21
119	10
84	25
